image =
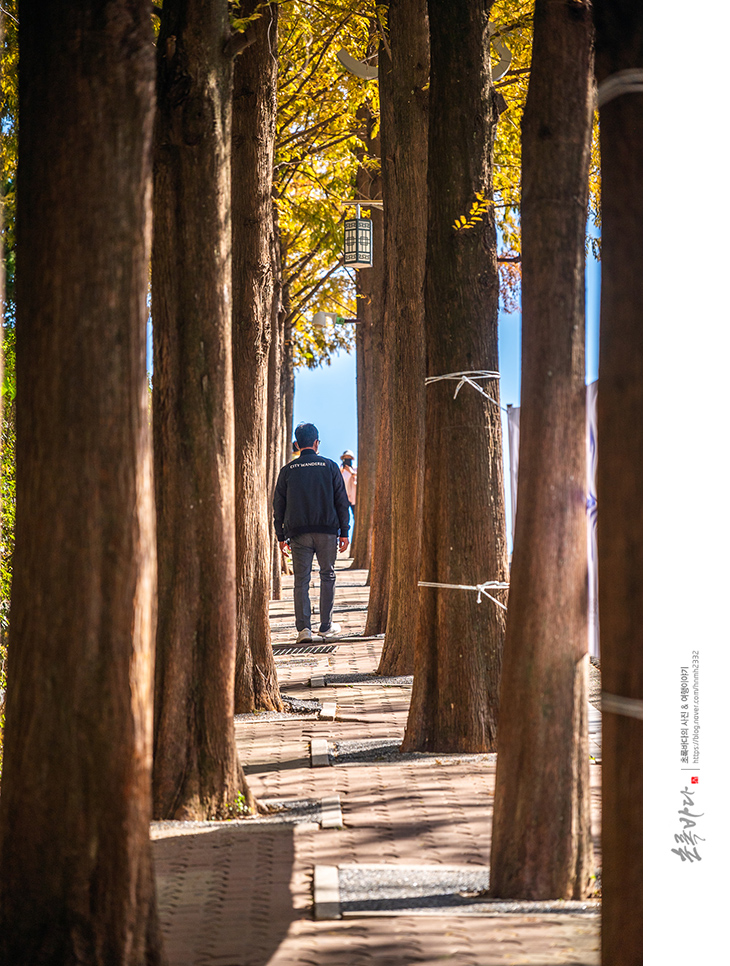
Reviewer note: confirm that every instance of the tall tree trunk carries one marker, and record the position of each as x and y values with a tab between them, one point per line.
287	387
274	422
379	576
619	46
405	81
76	879
252	168
541	843
368	421
369	361
380	365
196	770
459	645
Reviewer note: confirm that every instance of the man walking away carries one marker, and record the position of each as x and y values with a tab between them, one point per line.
312	516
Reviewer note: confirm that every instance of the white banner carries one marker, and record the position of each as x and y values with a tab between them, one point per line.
513	436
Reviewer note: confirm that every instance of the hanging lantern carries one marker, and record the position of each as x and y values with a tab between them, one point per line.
358	242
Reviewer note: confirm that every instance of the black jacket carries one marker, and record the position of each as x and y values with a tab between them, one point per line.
310	497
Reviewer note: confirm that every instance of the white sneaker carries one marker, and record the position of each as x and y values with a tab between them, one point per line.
334	631
304	636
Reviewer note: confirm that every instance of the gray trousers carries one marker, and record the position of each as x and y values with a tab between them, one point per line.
303	548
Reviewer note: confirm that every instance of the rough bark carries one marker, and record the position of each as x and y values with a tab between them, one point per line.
252	165
459	645
381	380
76	881
287	387
404	88
196	770
367	423
619	46
274	432
379	574
369	350
541	842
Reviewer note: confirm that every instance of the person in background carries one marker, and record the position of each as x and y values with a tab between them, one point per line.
349	475
294	450
312	516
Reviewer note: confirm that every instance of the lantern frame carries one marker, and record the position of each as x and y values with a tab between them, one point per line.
358	252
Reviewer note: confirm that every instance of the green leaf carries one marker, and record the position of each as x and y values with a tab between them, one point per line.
9	388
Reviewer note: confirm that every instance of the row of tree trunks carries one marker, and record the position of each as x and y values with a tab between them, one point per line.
196	768
404	103
252	163
458	655
541	842
81	651
619	46
369	349
76	881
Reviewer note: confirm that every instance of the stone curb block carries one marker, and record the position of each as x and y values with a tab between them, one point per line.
331	812
326	889
319	752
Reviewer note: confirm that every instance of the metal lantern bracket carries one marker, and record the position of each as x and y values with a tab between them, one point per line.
364	203
502	51
356	67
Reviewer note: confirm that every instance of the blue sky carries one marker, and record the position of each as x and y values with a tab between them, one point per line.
326	396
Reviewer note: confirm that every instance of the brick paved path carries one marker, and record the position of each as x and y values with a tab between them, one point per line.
241	894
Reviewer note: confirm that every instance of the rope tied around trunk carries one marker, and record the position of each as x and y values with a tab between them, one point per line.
481	589
467	378
617	704
629	81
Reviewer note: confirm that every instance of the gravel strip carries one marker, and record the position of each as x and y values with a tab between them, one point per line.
405	681
280	812
295	708
367	751
404	890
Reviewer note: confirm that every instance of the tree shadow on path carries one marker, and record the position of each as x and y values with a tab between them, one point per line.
224	894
